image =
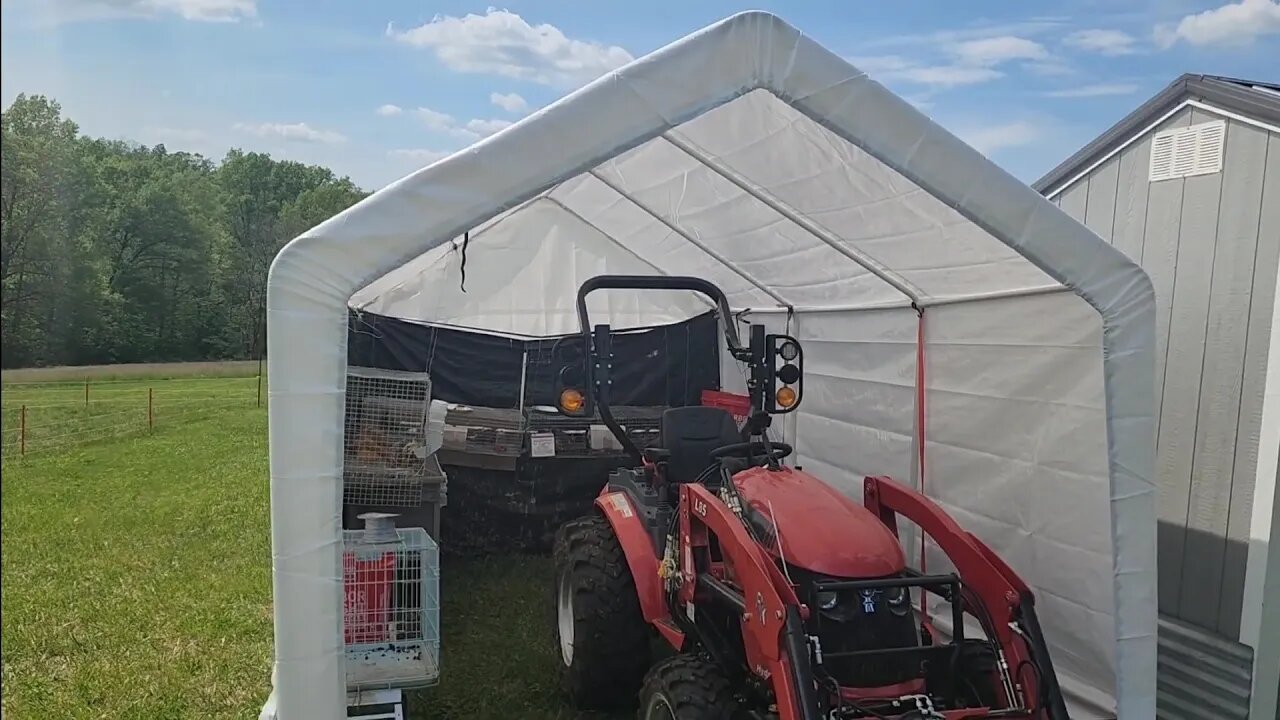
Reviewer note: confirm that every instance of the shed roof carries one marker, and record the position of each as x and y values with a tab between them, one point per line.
1253	99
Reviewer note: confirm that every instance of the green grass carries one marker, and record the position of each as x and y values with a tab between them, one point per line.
136	576
215	368
58	415
137	584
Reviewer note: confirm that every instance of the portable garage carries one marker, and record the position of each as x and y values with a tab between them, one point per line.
1188	185
962	332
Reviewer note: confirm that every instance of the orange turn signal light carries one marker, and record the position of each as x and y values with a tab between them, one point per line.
786	397
571	400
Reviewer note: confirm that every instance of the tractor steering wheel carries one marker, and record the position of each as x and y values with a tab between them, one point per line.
775	451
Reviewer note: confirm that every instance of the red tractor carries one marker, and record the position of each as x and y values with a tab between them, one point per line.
780	597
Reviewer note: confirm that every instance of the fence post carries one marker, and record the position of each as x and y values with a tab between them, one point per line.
259	383
151	417
86	392
22	444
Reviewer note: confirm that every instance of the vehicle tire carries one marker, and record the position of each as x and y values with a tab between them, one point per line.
687	687
603	641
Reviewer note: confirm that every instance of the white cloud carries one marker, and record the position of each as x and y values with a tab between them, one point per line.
978	31
948	76
300	132
992	51
195	10
1103	42
388	110
990	139
473	129
880	64
511	102
1237	23
1097	90
890	68
435	120
484	128
503	43
964	62
419	155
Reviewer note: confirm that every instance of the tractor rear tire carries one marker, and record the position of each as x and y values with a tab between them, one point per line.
687	687
603	639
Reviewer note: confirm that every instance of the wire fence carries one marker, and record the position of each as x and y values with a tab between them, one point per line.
39	418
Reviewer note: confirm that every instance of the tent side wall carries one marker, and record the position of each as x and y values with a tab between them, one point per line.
1211	244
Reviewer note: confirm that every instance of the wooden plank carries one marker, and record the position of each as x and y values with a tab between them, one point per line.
1131	199
1257	342
1073	199
1219	394
1160	260
1100	206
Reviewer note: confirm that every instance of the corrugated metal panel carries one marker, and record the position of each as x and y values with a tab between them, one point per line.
1201	676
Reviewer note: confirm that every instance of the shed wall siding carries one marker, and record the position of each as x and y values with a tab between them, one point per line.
1207	244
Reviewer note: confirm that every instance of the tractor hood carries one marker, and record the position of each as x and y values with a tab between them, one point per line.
822	530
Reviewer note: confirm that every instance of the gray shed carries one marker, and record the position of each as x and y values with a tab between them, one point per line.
1188	186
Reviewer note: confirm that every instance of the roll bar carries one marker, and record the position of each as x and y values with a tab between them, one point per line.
660	282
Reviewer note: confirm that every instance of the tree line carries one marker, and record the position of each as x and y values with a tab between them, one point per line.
112	252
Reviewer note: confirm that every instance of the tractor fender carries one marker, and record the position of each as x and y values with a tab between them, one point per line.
639	551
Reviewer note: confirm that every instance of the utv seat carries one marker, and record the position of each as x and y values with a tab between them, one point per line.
689	434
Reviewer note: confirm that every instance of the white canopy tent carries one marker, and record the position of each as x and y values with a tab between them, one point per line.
924	281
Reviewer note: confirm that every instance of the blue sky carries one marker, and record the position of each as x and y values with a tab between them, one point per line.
377	89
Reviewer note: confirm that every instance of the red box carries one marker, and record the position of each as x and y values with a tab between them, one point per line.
738	405
367	600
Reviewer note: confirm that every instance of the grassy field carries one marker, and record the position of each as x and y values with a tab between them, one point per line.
57	415
136	584
137	371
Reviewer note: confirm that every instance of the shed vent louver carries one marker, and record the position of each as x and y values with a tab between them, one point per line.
1184	152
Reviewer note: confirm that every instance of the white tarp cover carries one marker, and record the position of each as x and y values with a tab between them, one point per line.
751	156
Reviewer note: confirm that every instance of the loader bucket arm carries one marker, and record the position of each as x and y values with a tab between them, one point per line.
1005	596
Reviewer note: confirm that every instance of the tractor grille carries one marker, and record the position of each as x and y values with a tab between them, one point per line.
861	622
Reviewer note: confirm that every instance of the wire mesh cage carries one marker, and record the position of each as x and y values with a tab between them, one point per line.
386	452
391	620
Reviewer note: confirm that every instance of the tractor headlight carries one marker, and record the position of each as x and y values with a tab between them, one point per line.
827	599
898	600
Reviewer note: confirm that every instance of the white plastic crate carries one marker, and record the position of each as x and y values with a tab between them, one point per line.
391	624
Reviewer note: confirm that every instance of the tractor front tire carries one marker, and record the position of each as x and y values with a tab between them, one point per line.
602	637
687	687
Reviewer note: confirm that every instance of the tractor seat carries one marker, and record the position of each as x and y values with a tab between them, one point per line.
689	434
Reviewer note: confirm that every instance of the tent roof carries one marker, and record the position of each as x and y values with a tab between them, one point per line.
754	195
750	155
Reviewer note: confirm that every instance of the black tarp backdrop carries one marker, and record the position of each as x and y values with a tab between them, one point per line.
669	365
500	511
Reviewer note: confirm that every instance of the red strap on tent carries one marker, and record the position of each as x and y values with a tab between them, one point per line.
920	423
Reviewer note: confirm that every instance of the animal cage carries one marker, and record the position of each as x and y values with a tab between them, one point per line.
387	451
391	618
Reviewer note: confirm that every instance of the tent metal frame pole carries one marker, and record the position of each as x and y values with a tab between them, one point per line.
867	263
998	295
693	241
